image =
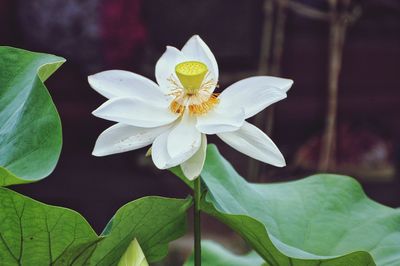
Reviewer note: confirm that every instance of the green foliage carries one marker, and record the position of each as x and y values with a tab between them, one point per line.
213	254
30	128
154	221
321	220
33	233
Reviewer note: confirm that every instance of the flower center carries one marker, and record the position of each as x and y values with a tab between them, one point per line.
191	74
194	92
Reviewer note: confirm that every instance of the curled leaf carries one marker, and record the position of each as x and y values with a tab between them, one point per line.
30	128
324	220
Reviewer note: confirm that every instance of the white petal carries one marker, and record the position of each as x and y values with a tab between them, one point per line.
120	83
253	142
161	157
135	112
220	119
255	94
177	145
192	168
121	138
165	66
159	152
184	139
197	49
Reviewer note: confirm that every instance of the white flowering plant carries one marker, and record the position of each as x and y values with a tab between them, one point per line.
323	219
176	113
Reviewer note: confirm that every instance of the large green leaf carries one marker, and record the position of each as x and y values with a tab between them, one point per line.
320	220
33	233
154	221
30	128
213	254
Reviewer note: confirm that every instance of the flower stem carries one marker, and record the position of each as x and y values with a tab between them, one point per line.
197	225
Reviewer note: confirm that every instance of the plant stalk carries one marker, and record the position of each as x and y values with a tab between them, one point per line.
338	26
197	222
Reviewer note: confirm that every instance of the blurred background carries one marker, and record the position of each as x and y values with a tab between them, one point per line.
341	115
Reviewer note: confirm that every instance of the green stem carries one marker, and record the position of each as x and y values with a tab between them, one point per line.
197	225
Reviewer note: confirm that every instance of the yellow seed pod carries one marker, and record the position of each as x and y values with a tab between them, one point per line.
191	74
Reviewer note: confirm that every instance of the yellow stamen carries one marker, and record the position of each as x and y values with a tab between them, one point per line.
204	107
200	108
177	107
191	75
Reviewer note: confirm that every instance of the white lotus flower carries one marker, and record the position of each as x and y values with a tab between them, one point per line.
176	114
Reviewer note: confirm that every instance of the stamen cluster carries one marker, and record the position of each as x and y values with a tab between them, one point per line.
197	102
